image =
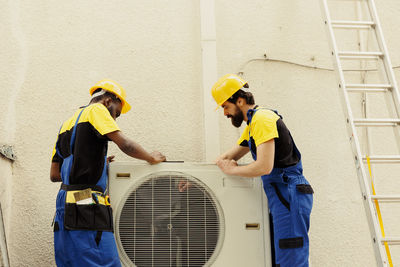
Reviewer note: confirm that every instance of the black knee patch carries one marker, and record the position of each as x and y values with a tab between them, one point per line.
304	188
296	242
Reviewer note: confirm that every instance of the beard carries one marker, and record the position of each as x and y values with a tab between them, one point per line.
237	118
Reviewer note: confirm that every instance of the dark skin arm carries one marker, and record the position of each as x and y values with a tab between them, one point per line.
55	172
127	146
133	149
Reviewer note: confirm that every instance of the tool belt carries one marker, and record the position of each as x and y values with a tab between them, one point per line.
87	208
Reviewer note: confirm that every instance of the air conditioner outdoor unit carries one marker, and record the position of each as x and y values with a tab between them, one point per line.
217	220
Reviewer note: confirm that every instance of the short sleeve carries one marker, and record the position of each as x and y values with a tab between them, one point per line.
244	138
263	126
54	156
101	120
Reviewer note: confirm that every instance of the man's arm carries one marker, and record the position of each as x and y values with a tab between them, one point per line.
234	153
263	165
55	172
133	149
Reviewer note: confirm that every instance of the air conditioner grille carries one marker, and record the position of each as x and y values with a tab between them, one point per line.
160	225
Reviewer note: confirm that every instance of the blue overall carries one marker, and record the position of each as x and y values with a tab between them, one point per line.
290	203
80	247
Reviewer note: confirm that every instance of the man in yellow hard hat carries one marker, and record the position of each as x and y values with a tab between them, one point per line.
277	160
83	224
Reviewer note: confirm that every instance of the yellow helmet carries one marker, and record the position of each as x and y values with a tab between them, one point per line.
114	88
225	87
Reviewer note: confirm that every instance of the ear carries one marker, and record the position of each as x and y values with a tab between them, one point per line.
240	102
107	101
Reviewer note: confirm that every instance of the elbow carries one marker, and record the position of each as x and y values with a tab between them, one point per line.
55	179
266	169
269	168
265	166
55	175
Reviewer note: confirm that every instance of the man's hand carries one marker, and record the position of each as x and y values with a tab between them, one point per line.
236	153
221	157
227	166
156	157
184	185
110	159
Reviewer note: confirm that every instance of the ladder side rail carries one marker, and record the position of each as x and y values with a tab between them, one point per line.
373	223
386	58
363	46
387	65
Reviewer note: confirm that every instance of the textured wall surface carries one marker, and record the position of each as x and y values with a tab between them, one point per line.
54	51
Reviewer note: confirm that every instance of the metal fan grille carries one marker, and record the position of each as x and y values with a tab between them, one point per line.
161	225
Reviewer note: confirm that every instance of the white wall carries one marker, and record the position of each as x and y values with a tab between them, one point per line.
55	50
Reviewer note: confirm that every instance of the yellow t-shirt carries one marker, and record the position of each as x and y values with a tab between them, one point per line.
262	128
90	145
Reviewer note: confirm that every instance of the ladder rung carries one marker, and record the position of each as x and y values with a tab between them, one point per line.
391	240
376	122
368	87
347	24
383	159
359	55
389	198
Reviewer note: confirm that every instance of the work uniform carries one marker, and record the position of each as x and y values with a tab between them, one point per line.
288	192
83	233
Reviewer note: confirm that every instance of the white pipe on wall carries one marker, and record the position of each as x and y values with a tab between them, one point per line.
3	244
209	58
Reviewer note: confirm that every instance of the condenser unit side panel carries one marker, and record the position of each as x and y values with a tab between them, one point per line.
244	230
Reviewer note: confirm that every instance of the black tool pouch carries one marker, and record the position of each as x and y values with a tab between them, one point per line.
304	188
88	217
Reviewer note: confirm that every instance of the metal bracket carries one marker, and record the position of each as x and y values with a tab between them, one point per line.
8	152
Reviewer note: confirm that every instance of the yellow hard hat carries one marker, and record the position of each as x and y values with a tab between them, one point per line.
225	87
114	88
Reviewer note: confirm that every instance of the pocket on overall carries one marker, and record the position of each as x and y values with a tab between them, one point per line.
305	197
96	216
281	198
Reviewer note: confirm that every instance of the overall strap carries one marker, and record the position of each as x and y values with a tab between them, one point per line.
72	141
250	114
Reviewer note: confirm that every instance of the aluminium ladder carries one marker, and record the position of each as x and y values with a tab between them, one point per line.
360	55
